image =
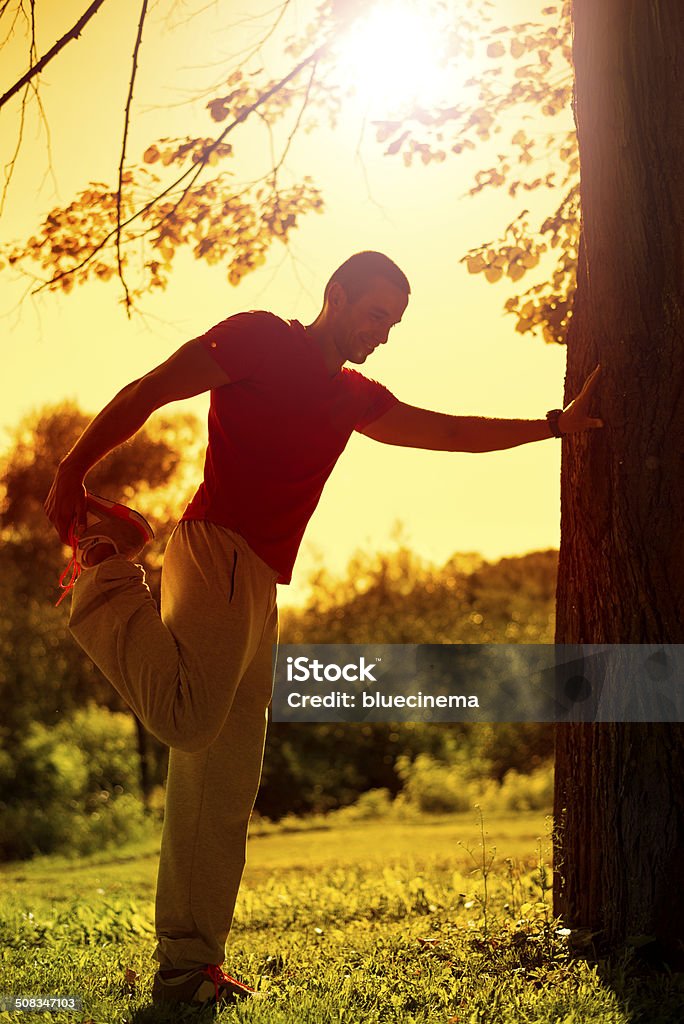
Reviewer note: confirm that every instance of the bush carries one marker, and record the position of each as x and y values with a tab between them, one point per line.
435	787
533	792
72	788
372	805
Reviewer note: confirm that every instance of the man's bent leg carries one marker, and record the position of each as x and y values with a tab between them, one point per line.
179	676
115	619
209	798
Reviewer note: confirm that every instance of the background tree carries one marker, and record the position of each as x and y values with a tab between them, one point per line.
43	676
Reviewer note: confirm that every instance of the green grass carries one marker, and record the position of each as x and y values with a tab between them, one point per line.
372	921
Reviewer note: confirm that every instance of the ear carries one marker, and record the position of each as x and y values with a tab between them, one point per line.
337	297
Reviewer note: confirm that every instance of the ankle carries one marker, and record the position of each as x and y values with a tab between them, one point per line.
175	972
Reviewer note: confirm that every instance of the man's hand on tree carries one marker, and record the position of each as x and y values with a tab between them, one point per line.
576	416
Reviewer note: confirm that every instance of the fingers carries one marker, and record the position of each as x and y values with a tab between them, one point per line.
583	400
591	381
65	506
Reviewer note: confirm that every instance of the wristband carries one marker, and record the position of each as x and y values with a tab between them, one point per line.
552	418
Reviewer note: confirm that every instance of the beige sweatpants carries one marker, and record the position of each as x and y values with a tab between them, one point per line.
200	679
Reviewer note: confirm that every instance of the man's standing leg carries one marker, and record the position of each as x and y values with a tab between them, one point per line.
210	793
209	799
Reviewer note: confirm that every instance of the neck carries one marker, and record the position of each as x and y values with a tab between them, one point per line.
321	334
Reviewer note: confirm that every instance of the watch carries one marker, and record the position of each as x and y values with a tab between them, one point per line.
552	418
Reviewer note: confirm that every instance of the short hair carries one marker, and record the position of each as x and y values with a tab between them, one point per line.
355	274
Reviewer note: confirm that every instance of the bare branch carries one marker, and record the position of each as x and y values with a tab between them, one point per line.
300	115
50	169
10	166
33	51
364	169
12	162
246	53
129	99
10	32
73	33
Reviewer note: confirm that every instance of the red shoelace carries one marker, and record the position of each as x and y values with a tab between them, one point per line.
218	976
73	569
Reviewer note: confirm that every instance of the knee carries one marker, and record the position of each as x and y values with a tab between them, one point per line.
190	741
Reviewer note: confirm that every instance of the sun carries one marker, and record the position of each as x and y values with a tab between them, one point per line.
394	57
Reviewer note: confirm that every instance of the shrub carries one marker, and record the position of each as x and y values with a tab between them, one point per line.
371	805
71	788
435	787
533	792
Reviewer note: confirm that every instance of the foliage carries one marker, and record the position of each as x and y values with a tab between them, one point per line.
393	597
434	787
525	70
542	82
152	467
71	788
214	223
104	229
43	675
372	924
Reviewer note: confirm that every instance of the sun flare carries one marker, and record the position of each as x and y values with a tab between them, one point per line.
394	57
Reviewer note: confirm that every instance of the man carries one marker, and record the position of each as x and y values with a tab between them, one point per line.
283	406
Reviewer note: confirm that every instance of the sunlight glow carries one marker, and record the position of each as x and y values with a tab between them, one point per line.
395	57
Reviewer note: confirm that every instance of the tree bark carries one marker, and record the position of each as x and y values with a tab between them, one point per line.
619	803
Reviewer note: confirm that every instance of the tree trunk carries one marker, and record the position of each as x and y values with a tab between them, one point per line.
619	802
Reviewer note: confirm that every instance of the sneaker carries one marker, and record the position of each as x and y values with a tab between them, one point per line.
107	522
200	987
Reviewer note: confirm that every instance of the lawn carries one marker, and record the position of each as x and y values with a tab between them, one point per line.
368	921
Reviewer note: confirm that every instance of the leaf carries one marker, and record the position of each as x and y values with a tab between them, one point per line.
218	109
395	146
476	264
496	49
493	274
517	49
386	129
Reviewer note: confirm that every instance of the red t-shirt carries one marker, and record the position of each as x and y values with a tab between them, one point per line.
275	432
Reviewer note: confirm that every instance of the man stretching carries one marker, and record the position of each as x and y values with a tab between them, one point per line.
283	406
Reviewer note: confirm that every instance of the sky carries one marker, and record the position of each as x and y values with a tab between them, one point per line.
455	350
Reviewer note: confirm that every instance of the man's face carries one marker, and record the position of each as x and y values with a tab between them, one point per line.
363	325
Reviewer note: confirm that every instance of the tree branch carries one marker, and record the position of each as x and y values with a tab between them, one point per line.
73	33
193	171
134	69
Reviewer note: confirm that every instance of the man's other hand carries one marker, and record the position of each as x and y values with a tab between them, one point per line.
576	416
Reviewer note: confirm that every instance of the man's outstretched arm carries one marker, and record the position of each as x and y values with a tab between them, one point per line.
189	371
411	427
